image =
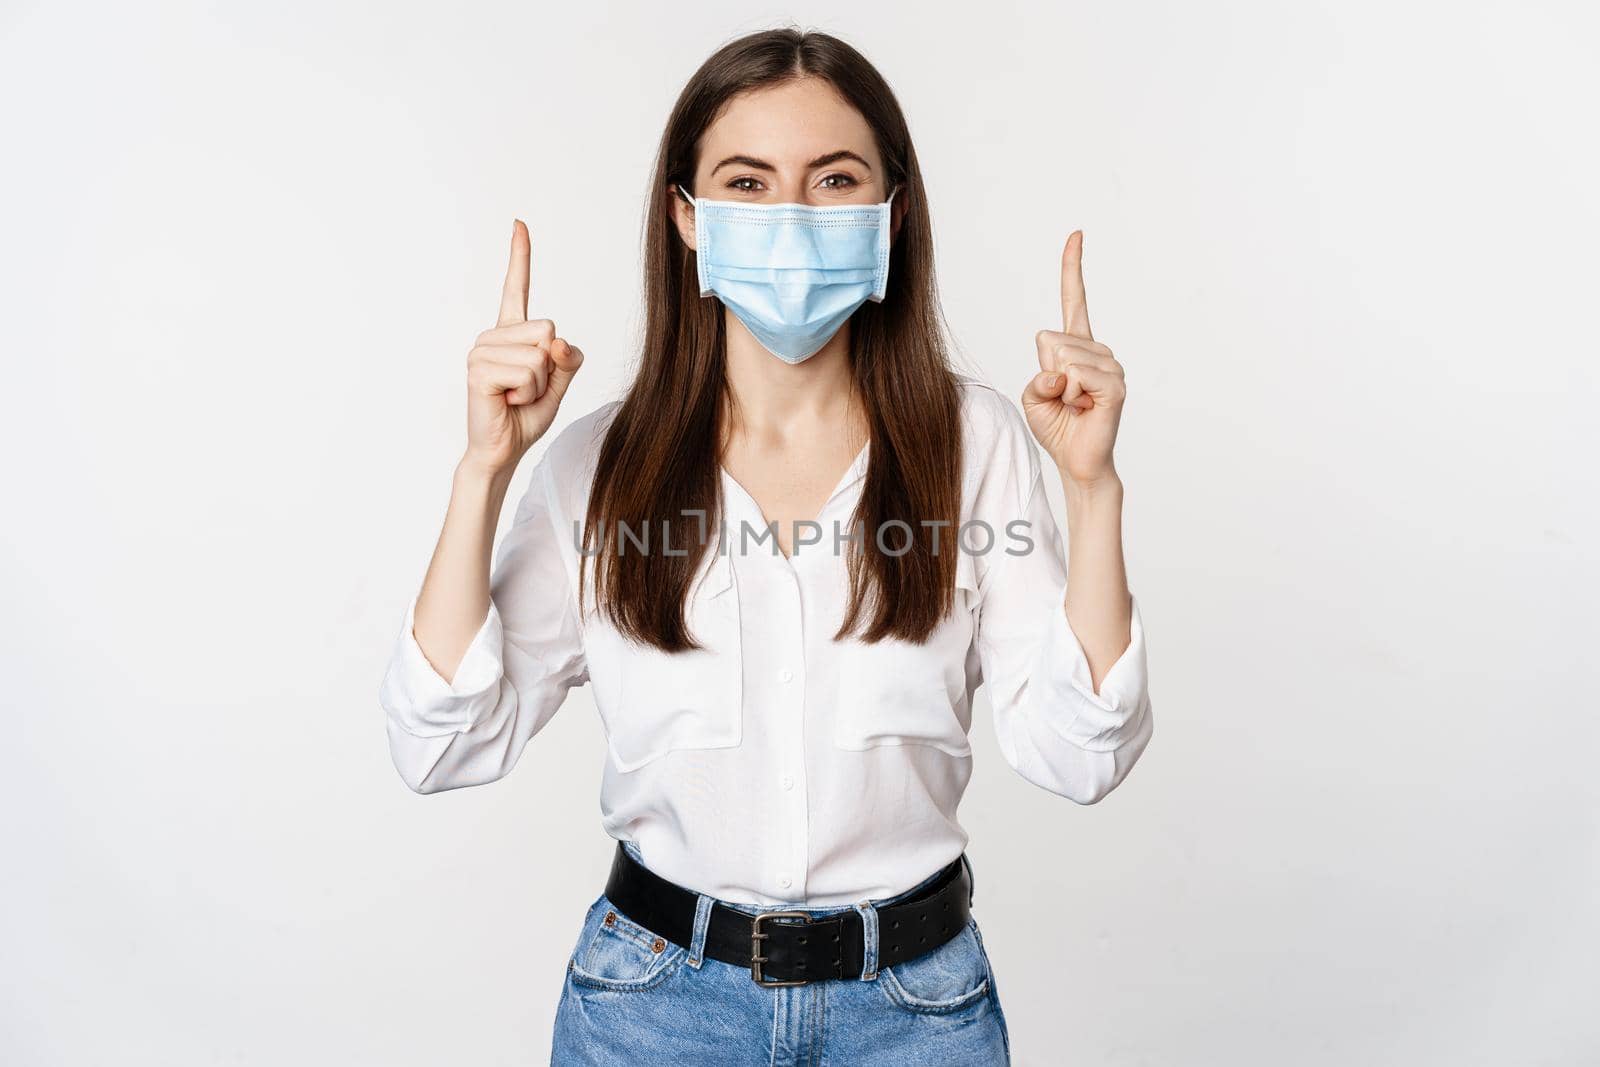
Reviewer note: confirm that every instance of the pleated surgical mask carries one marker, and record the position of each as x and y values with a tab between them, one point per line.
792	273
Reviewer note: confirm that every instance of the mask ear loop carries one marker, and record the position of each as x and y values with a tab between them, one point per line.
690	201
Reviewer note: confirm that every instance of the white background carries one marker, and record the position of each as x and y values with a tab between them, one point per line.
1346	252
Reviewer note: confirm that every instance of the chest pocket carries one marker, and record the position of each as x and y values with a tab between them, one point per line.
895	692
658	702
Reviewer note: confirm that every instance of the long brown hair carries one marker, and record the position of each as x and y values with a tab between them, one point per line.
661	456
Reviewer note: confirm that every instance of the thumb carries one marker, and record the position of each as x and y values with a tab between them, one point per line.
565	360
1044	387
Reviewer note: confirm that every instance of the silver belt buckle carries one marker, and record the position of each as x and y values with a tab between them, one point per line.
756	937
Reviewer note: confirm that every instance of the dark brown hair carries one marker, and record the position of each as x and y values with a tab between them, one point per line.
661	456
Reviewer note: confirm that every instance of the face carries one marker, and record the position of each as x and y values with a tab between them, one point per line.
795	143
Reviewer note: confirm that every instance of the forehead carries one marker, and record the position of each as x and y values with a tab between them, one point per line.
787	125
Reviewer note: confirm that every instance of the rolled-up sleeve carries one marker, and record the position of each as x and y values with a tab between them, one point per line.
1054	727
525	657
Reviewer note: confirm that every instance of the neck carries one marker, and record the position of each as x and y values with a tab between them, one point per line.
771	398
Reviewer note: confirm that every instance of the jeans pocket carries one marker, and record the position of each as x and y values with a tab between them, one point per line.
615	953
952	977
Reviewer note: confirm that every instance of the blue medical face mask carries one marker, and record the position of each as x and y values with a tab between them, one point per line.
792	273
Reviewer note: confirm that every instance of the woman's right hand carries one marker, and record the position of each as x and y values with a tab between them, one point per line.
517	374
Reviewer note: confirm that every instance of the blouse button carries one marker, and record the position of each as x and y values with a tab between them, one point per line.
784	881
788	781
786	675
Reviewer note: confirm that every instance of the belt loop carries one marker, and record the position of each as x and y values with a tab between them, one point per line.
702	923
869	940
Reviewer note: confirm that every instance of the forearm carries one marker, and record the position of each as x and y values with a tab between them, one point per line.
454	600
1097	603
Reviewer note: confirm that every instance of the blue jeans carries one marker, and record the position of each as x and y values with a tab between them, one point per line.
625	1003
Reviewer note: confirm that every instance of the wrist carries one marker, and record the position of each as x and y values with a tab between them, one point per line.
1104	491
476	475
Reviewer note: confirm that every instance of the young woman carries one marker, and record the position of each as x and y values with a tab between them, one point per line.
785	559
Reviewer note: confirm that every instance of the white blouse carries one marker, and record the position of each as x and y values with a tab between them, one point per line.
776	765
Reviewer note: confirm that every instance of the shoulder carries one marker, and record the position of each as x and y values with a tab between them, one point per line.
577	444
1000	456
988	416
566	467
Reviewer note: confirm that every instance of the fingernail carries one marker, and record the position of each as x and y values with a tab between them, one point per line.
1052	381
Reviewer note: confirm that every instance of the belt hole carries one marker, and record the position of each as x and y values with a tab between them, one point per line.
802	940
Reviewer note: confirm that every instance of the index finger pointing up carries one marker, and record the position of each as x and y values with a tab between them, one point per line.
514	298
1074	302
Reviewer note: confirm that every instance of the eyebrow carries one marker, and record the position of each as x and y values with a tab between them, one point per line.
820	161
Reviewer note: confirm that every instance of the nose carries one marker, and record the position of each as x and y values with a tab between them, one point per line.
792	190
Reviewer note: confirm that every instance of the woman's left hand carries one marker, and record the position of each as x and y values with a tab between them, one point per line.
1074	403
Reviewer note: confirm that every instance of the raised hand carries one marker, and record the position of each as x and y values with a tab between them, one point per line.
517	372
1074	403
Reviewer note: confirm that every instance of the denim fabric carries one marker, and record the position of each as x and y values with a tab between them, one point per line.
626	1003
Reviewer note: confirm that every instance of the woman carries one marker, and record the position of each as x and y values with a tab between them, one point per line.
784	560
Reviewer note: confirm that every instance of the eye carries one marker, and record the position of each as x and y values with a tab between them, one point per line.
845	181
734	184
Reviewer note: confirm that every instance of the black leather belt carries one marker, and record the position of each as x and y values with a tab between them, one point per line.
790	947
